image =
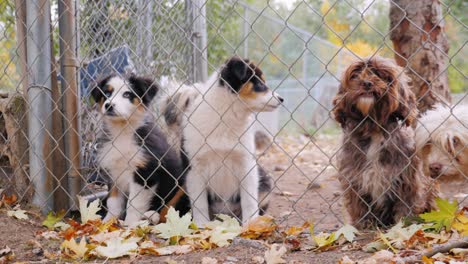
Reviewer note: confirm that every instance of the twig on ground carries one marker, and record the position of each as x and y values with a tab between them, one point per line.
443	248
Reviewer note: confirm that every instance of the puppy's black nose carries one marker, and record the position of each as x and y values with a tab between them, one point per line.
280	99
367	84
435	168
108	107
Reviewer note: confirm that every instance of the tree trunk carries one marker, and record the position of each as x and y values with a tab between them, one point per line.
420	43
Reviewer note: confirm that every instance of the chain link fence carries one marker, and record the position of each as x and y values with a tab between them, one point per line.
54	51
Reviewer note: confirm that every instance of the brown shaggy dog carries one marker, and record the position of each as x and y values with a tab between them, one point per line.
379	172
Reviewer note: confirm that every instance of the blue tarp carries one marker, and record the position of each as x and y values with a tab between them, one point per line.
115	61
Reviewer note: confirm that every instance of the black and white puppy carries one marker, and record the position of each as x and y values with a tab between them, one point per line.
219	144
146	173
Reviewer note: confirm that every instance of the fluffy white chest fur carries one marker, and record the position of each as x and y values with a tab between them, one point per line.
220	142
221	150
375	183
120	156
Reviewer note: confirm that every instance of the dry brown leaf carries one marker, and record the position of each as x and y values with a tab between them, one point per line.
8	200
297	230
259	227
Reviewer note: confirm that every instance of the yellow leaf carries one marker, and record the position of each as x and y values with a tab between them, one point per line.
427	260
75	250
324	239
53	218
461	223
297	230
386	242
444	216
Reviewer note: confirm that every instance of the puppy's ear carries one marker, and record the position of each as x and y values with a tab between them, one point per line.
98	87
407	108
236	73
145	88
339	107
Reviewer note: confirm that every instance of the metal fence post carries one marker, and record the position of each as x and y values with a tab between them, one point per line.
144	33
245	32
68	65
196	15
39	99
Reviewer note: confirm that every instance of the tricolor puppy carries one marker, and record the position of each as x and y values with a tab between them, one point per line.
442	142
380	174
219	145
174	107
146	173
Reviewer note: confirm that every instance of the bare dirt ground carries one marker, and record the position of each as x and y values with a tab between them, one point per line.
306	185
306	189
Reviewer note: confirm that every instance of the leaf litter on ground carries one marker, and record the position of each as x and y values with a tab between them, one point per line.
179	235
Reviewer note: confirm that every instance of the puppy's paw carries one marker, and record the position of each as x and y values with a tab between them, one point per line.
131	220
152	216
108	218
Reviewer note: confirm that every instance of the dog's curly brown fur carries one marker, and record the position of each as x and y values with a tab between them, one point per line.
380	174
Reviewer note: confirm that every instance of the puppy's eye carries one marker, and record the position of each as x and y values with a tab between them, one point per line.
107	94
126	95
354	76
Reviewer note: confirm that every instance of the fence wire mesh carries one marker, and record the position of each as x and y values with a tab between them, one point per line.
50	148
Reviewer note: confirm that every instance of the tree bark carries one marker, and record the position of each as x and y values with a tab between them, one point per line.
417	30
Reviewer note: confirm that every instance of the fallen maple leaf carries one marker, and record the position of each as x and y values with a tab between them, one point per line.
73	249
116	248
398	235
61	226
175	226
322	239
53	218
461	223
6	255
444	216
348	231
275	254
374	246
297	230
18	214
88	212
103	237
175	249
223	231
261	226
